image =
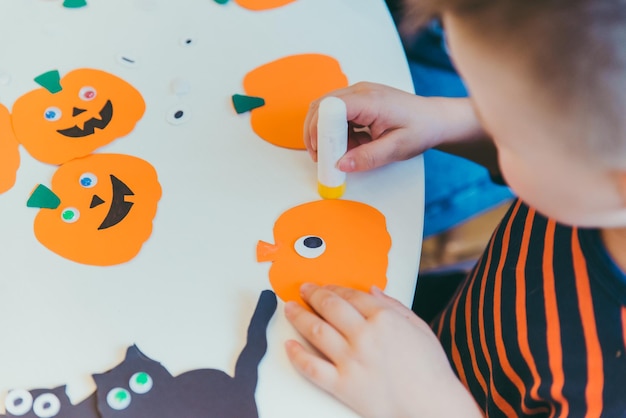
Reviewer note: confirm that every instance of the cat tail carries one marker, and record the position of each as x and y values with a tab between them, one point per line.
246	369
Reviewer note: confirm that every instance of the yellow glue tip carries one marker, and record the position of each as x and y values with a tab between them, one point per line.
331	192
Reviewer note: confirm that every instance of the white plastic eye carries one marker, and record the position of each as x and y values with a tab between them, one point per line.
52	114
70	215
178	115
310	246
18	402
88	180
140	383
87	93
118	398
47	406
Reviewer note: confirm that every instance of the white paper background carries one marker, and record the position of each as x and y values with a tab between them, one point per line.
186	299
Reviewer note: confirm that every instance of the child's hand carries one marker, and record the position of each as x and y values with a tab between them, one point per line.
397	125
375	355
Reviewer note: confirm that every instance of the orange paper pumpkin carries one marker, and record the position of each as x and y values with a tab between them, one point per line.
327	242
262	4
9	152
105	204
283	91
70	117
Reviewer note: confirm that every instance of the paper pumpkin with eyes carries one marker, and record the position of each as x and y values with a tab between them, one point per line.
99	210
9	152
338	242
47	403
278	95
70	117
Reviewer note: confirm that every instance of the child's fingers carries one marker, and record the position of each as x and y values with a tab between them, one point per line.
310	130
316	331
364	303
311	366
375	153
339	313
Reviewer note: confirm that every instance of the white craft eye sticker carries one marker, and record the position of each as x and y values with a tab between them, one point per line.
88	180
310	246
178	115
18	402
47	406
70	215
118	398
140	383
52	114
87	93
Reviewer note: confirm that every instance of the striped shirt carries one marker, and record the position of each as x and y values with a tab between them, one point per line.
539	326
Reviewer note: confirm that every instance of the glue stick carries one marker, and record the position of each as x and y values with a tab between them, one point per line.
332	144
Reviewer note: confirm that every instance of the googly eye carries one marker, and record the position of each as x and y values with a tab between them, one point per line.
187	41
118	398
47	406
178	115
52	114
310	246
140	383
88	180
18	402
87	93
70	215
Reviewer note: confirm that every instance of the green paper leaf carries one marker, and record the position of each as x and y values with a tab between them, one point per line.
246	103
44	198
51	81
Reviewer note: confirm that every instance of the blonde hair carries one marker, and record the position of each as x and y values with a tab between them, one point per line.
575	51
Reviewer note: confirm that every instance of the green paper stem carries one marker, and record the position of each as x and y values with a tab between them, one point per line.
244	104
74	4
51	81
44	198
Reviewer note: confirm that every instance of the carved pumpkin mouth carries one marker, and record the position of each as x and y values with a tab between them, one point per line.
119	206
106	114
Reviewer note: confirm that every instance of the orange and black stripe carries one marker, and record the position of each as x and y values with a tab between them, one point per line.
538	329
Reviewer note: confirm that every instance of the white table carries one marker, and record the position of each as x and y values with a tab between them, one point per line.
186	299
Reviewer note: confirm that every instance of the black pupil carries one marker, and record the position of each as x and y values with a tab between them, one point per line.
313	242
179	114
188	41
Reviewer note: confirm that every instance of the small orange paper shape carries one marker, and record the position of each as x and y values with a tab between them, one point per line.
338	242
288	86
262	4
9	152
108	202
92	109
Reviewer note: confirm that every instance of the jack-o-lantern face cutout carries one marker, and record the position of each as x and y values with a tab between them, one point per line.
100	208
9	152
279	93
327	242
70	117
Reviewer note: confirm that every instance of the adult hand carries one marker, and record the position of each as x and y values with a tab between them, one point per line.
375	355
387	124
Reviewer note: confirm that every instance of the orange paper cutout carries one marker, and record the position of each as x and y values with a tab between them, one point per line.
107	205
93	108
288	86
9	152
262	4
348	244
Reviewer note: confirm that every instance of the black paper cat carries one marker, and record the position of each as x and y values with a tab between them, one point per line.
141	387
47	403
